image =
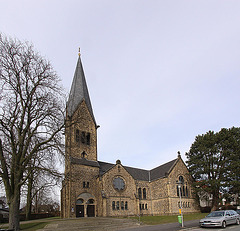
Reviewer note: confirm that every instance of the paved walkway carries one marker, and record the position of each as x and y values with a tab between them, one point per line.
113	224
89	224
108	224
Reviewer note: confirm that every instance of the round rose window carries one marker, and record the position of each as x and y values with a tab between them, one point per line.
118	183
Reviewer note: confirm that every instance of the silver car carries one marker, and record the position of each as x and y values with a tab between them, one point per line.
220	218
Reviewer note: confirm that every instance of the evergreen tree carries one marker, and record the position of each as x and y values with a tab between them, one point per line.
213	161
229	145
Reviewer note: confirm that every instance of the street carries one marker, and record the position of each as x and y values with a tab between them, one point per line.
230	228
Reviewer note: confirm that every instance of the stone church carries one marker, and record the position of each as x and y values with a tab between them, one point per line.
95	188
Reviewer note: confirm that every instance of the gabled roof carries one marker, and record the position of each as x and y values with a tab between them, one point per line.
162	170
142	174
104	167
79	91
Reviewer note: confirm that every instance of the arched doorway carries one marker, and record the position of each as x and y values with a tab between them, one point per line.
85	205
79	208
90	208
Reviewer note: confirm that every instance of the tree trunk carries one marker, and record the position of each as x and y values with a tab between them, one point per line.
29	199
215	201
14	219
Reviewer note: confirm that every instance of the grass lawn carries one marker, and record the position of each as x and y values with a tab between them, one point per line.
33	226
154	220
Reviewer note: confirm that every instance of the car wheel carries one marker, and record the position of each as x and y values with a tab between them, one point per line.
224	224
237	222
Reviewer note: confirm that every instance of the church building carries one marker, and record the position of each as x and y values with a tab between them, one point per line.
96	188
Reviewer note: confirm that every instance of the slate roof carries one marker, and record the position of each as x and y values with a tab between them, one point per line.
142	174
137	173
104	167
84	161
79	91
162	170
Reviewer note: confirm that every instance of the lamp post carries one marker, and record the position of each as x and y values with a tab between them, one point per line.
179	184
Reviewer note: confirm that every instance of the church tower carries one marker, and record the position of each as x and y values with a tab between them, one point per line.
81	128
80	188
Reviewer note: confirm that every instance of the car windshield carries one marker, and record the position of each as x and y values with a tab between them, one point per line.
216	214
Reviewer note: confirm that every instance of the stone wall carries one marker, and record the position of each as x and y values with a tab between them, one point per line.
128	194
82	121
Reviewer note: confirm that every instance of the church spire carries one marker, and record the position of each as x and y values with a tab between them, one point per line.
79	91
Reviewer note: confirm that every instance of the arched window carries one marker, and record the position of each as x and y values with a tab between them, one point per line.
144	193
146	206
113	205
140	193
117	205
126	205
183	189
90	201
79	202
177	191
122	205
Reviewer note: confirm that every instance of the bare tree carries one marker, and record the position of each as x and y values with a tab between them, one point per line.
42	183
31	116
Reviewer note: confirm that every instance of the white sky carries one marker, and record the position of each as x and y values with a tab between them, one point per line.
159	72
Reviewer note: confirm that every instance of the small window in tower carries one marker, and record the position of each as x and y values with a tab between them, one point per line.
85	184
83	137
146	206
117	207
77	136
88	138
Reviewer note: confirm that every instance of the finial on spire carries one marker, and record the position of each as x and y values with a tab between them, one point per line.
79	51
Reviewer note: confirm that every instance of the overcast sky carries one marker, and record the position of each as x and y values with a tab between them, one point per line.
159	72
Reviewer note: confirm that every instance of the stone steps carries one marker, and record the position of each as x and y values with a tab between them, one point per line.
84	224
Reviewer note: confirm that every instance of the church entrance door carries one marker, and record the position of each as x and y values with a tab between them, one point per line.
79	210
91	210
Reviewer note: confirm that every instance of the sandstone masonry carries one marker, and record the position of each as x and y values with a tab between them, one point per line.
94	188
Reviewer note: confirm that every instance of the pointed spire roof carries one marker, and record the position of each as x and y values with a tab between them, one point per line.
79	91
